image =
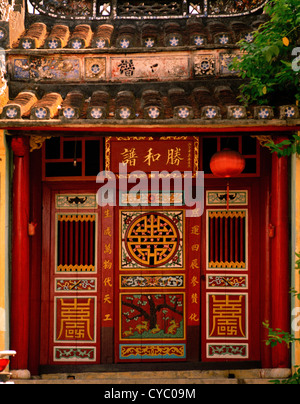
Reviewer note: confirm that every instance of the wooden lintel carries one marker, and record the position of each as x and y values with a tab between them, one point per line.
196	127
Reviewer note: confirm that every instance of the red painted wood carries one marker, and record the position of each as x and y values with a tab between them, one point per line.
71	243
211	243
280	256
216	258
86	243
226	239
221	240
230	241
81	242
20	283
45	276
241	240
35	261
61	227
156	129
236	258
91	260
76	241
265	258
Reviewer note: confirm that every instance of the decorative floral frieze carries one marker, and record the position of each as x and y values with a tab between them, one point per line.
95	68
204	65
119	68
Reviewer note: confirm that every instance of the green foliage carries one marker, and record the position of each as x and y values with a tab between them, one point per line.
287	147
267	61
278	336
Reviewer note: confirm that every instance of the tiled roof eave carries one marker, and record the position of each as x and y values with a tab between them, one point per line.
170	125
117	51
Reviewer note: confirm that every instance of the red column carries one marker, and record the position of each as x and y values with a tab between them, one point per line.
20	283
280	274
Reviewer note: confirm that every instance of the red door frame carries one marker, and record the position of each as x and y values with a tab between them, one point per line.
267	244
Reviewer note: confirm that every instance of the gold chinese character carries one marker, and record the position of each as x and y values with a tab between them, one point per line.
107	249
107	214
174	156
107	264
195	247
150	158
194	281
194	264
107	282
107	232
107	317
194	317
107	299
76	319
129	157
227	316
196	230
194	298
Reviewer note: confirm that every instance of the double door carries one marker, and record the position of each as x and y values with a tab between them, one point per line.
150	283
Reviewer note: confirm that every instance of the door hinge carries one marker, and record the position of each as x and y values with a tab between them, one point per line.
271	231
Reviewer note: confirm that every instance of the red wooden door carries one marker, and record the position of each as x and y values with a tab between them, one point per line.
71	298
231	274
163	285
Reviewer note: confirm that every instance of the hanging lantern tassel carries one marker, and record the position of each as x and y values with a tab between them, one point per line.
227	164
227	195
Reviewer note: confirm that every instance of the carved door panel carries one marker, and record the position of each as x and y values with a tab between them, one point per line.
152	321
153	302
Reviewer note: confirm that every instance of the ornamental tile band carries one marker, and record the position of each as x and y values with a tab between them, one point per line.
192	33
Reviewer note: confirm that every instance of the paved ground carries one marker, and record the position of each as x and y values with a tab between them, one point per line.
254	376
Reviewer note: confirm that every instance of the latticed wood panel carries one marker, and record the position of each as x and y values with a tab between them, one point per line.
76	242
227	239
142	8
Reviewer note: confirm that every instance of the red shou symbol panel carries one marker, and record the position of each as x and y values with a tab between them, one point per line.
75	319
227	316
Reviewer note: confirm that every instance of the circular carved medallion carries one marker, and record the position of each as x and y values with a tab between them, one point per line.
152	239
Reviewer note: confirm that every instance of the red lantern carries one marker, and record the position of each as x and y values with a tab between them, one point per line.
227	163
